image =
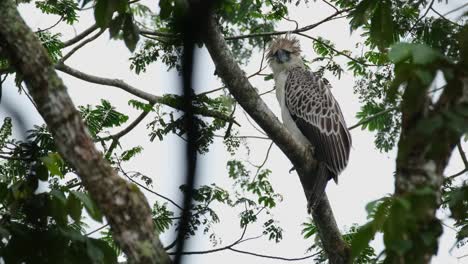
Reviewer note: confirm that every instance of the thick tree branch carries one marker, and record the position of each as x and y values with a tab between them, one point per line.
421	160
124	206
302	159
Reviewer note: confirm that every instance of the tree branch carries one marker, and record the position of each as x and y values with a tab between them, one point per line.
299	155
125	207
302	29
139	93
462	154
79	46
80	36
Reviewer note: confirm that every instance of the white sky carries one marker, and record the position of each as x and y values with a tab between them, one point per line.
367	177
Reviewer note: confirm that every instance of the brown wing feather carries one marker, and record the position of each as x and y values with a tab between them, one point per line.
318	116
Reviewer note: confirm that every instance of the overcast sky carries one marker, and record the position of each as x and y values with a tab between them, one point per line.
367	177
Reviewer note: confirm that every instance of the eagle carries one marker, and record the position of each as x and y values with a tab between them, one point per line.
310	113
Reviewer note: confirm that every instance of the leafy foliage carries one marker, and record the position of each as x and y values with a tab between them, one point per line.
101	117
51	43
66	9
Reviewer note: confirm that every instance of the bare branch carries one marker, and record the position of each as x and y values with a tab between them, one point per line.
423	16
462	154
79	46
302	29
271	257
80	36
444	18
48	28
456	9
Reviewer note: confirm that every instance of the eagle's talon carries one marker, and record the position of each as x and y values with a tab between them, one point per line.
292	169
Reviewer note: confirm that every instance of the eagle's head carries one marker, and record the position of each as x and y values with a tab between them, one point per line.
284	53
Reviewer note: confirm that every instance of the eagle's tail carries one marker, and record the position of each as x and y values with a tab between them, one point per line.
317	188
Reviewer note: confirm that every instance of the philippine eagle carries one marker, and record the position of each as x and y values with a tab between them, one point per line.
310	113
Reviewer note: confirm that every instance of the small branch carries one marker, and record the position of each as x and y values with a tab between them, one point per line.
253	137
423	16
96	230
138	93
462	154
80	36
79	46
456	9
444	18
451	177
129	128
337	51
146	188
330	5
54	25
302	29
271	257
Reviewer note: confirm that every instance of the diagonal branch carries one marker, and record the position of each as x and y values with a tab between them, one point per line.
302	159
80	36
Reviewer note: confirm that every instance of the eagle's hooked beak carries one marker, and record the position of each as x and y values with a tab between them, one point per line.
282	56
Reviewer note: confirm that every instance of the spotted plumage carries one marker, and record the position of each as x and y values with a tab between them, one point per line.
311	114
318	116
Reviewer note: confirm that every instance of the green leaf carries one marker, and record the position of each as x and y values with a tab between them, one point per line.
166	8
74	207
131	33
361	239
381	28
89	205
103	12
94	252
53	162
57	207
116	25
42	172
415	53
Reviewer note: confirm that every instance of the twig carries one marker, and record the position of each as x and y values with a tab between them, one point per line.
330	5
129	128
443	17
45	29
456	9
79	46
146	188
272	257
451	177
423	16
96	230
337	51
462	154
80	36
302	29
